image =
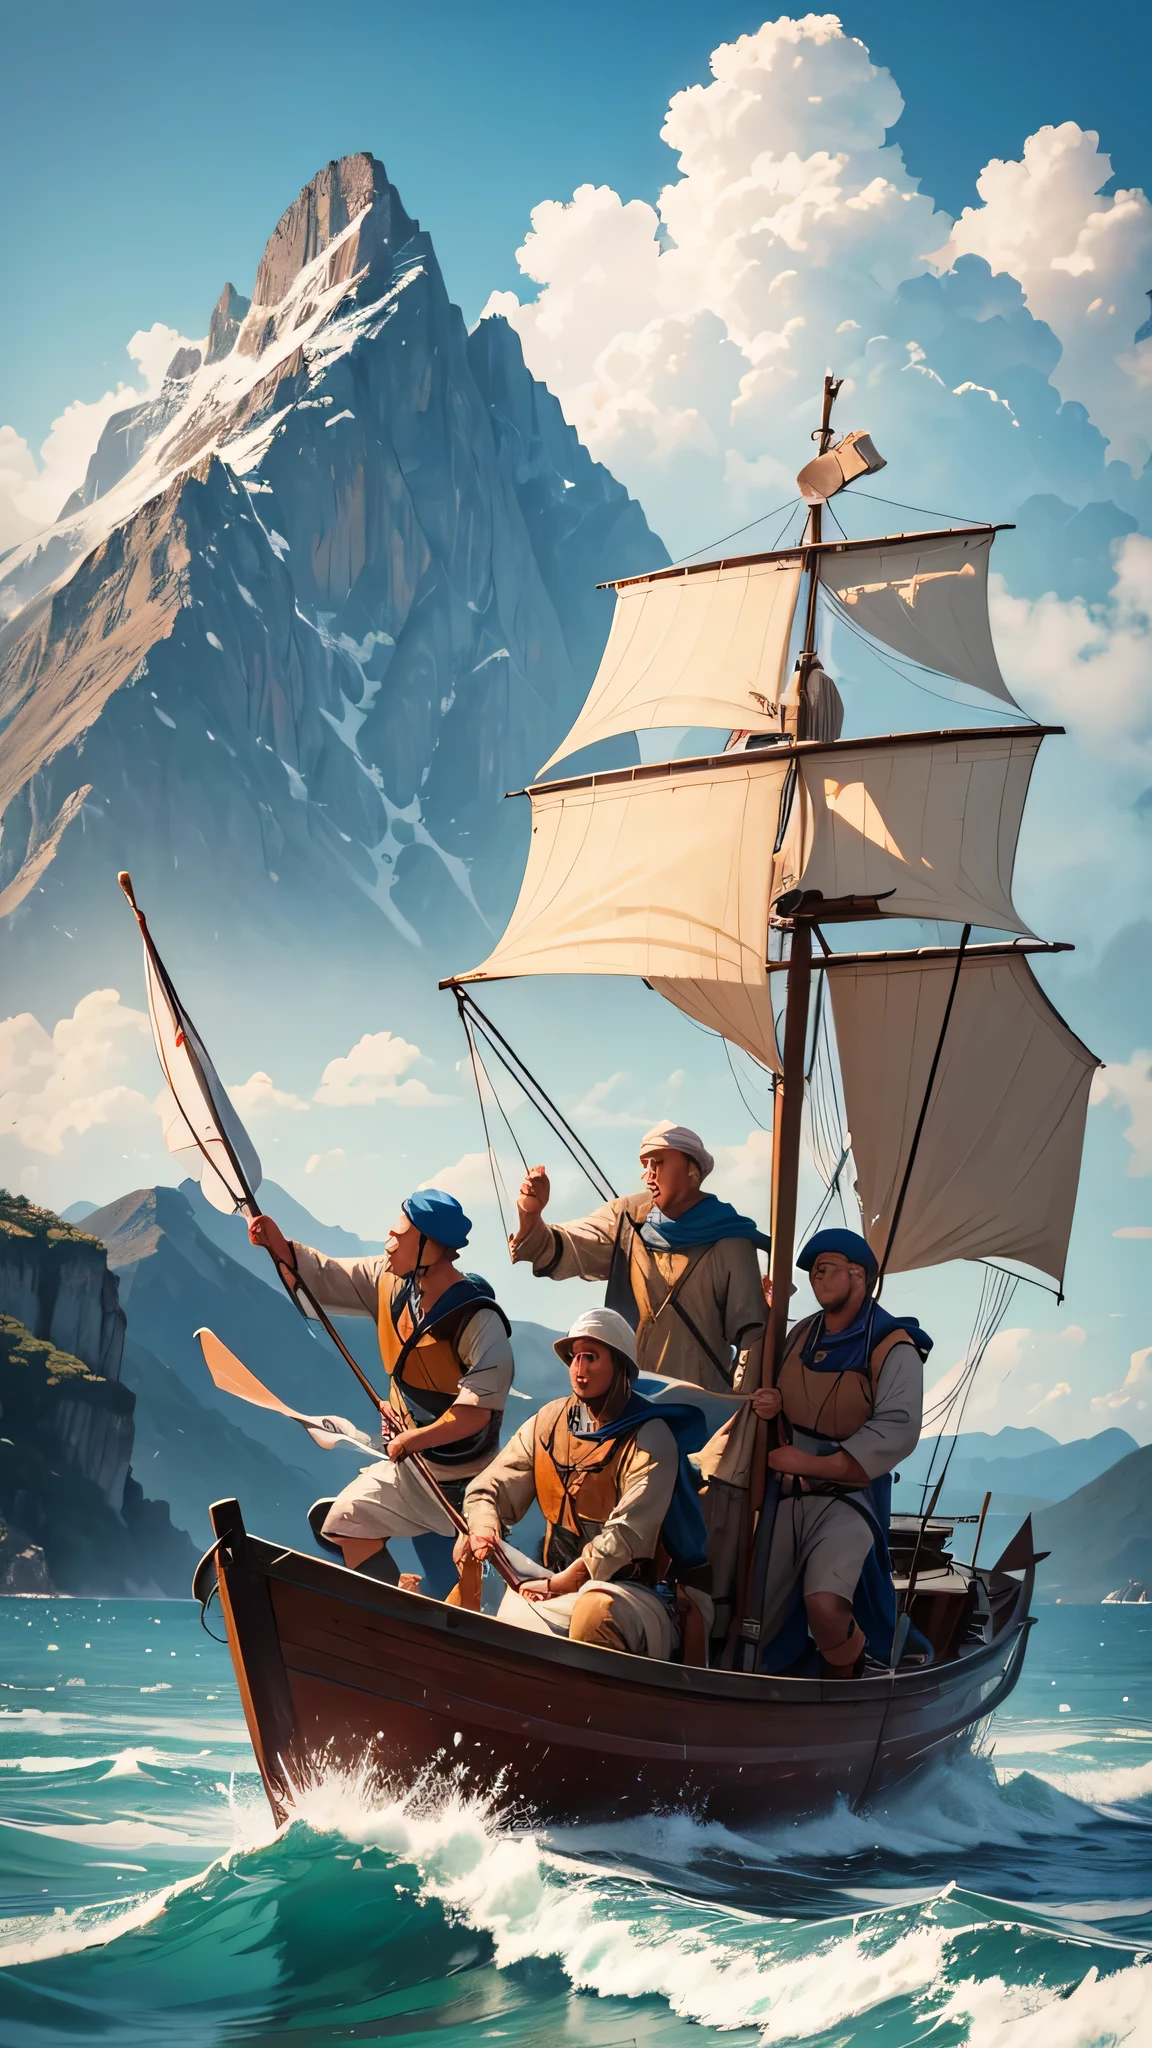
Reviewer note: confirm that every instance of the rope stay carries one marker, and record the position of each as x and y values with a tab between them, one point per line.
947	1414
480	1031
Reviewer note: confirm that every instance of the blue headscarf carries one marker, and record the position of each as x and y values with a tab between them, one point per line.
684	1535
438	1216
707	1222
848	1243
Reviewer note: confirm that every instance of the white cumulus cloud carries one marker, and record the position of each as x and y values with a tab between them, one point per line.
326	1162
470	1180
1127	1085
1131	1399
259	1093
32	492
597	1109
1085	262
55	1086
685	339
372	1072
743	1175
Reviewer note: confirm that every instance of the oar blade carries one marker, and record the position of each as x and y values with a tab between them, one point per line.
233	1377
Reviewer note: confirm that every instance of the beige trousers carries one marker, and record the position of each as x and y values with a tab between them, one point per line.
644	1622
386	1500
820	1543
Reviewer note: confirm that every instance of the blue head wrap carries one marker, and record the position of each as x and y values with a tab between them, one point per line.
438	1216
848	1243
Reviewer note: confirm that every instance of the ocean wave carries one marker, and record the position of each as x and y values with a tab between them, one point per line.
1110	1785
423	1870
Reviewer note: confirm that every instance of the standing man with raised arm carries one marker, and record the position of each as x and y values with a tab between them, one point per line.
446	1346
680	1265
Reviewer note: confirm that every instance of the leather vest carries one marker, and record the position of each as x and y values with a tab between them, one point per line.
832	1405
644	1286
428	1379
577	1483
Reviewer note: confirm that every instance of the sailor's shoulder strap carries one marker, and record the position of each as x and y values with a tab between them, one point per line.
886	1345
447	1322
545	1421
798	1335
693	1258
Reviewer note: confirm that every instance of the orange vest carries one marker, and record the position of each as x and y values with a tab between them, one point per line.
429	1379
577	1483
830	1404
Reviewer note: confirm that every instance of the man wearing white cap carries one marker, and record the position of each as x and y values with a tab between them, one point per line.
681	1265
609	1471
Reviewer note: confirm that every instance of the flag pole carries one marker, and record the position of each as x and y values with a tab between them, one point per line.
293	1285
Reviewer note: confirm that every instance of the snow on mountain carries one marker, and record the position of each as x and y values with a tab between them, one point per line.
314	610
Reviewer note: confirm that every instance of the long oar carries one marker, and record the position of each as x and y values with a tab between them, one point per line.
232	1376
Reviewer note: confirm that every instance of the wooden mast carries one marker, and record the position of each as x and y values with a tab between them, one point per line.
788	1112
812	540
789	1094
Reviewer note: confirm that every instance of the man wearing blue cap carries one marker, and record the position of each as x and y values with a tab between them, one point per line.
850	1389
445	1344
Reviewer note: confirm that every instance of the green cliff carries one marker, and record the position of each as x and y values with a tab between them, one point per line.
72	1518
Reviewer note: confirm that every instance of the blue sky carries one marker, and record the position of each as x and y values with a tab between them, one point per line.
147	151
150	156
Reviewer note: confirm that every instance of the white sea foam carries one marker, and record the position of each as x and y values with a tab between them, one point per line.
1098	2013
622	1936
1110	1785
42	1765
33	1939
197	1832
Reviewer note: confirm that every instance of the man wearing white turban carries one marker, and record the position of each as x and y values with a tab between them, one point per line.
680	1265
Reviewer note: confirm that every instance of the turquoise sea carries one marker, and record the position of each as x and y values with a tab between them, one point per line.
1003	1902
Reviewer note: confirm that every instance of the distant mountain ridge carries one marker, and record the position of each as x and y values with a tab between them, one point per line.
181	1264
323	602
1024	1462
1101	1536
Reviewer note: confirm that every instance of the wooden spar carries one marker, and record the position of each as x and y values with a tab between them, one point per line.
980	1529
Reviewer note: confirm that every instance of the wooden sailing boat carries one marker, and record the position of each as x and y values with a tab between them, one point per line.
714	880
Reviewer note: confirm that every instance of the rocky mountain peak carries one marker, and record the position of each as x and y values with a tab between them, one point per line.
224	325
321	602
327	205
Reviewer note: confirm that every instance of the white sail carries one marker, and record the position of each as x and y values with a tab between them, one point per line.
934	820
669	872
198	1117
926	597
742	1015
664	872
998	1162
701	646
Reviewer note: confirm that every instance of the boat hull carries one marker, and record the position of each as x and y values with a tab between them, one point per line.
339	1671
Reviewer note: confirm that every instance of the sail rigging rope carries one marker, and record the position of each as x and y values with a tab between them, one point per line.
478	1068
996	1295
922	1118
739	1089
875	499
790	508
840	619
478	1026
